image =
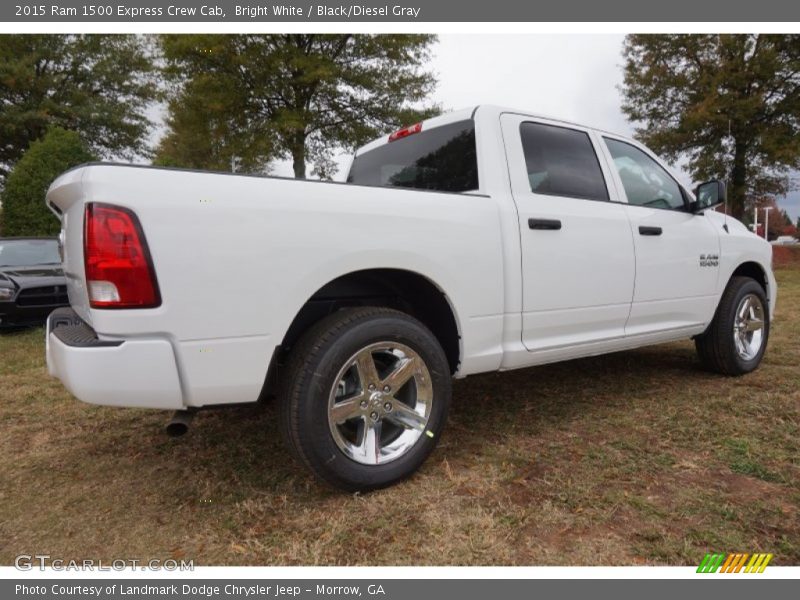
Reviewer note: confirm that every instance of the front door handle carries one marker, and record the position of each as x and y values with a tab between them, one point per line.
645	230
553	224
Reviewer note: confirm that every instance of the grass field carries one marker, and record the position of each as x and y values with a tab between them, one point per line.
634	458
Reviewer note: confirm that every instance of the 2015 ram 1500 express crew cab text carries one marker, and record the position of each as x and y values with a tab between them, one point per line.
480	240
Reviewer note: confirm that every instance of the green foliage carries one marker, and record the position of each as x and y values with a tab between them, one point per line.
261	97
207	127
24	211
98	85
728	103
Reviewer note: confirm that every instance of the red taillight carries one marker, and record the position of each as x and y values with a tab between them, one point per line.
405	132
119	272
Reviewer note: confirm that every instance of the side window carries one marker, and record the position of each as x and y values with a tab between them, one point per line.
646	183
562	162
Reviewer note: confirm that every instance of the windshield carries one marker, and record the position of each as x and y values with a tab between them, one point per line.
28	253
442	159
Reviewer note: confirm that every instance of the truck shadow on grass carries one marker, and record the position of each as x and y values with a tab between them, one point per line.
485	409
641	455
636	457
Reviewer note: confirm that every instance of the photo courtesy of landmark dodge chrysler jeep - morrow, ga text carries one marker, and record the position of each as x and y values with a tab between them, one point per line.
481	240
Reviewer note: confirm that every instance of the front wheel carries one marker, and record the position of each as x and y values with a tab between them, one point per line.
365	397
735	342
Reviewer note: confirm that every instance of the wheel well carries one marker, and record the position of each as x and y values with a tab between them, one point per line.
408	292
753	271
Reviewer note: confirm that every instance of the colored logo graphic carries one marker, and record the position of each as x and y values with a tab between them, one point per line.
734	563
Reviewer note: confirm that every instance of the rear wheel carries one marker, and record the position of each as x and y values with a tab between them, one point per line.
365	397
735	341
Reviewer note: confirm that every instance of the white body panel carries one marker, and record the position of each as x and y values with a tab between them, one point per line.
236	258
673	291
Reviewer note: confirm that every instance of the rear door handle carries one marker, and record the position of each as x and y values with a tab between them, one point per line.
645	230
553	224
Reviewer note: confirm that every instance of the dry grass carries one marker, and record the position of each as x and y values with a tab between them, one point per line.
634	458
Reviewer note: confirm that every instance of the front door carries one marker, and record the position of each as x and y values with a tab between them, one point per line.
677	252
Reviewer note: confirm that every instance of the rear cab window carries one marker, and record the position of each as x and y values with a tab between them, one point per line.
442	159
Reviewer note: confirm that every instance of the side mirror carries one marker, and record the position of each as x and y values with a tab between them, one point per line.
708	195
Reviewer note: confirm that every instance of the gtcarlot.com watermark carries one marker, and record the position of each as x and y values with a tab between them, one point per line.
29	562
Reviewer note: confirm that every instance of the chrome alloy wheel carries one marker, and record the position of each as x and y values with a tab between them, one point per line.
380	403
748	327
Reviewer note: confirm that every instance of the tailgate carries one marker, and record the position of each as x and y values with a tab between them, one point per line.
66	199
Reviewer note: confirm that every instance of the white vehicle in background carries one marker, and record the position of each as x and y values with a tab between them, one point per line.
481	240
785	240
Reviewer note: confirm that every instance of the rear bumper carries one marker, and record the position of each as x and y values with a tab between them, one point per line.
133	373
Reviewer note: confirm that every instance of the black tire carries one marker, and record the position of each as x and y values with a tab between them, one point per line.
313	368
716	346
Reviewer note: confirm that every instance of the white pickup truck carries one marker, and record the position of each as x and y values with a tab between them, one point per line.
481	240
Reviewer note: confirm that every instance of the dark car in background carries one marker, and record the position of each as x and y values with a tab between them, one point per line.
32	283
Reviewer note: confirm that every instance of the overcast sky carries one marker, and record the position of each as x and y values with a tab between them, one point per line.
574	77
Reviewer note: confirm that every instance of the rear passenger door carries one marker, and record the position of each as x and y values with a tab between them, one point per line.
577	252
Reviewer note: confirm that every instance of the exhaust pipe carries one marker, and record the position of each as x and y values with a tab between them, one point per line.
178	425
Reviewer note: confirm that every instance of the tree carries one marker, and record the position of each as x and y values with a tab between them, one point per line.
260	97
783	223
728	103
208	128
24	211
98	85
